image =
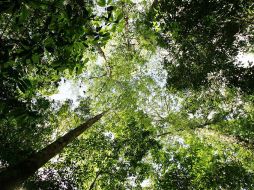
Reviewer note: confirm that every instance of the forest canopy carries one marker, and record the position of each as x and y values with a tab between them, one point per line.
126	94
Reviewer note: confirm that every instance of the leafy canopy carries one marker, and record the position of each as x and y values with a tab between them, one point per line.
181	108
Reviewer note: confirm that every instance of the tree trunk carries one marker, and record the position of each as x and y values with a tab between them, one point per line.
15	175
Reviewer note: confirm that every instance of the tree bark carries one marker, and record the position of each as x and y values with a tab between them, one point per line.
15	175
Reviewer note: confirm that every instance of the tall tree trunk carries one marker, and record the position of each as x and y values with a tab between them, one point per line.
15	175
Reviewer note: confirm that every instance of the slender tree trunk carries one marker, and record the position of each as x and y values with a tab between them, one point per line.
17	174
94	181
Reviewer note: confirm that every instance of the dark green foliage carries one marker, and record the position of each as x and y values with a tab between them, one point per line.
49	180
113	158
23	129
200	166
202	38
199	139
38	41
44	34
231	175
41	39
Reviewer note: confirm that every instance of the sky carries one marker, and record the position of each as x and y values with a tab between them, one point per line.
245	58
69	90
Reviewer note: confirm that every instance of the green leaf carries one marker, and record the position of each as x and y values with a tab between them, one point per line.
86	60
22	86
35	58
23	15
101	3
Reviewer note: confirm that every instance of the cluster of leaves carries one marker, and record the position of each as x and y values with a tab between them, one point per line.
200	138
103	159
40	42
203	37
193	163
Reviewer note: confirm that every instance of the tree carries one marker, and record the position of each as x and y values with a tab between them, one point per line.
192	131
13	176
40	41
203	38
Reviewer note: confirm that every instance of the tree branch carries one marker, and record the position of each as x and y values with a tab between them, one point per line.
94	181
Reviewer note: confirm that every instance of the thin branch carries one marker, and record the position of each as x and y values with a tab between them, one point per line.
108	66
164	134
97	77
94	181
104	84
101	52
